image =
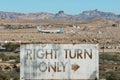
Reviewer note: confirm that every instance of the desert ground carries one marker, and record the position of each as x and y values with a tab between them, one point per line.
106	33
95	31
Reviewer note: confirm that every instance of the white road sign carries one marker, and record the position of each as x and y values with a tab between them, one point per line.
59	61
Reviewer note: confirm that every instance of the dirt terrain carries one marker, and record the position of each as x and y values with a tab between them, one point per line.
103	32
95	31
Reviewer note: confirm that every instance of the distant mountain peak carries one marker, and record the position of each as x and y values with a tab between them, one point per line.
91	14
60	13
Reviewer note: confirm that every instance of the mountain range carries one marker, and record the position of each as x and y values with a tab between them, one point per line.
85	15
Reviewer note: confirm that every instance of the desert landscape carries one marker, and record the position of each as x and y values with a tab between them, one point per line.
17	29
95	31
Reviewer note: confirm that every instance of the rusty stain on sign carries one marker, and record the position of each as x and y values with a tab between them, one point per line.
59	61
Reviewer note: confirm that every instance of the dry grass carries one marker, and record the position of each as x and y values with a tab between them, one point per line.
87	33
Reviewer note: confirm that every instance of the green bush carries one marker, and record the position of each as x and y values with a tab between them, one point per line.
4	57
12	57
109	57
110	75
113	76
17	60
4	76
8	75
18	70
8	26
10	46
15	75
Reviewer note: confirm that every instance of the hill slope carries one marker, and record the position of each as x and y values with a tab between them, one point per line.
85	15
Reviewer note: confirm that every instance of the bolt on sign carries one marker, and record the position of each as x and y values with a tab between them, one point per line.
59	61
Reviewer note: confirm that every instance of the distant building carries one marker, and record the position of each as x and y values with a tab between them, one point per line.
50	31
74	26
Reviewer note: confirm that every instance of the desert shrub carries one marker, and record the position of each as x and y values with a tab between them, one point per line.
10	46
4	76
17	60
110	57
15	75
8	75
110	75
4	57
12	57
113	76
18	70
8	26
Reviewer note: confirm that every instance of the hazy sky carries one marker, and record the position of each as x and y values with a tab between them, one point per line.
53	6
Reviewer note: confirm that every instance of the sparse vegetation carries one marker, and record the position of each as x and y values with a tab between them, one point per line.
11	47
8	26
113	75
108	70
15	75
9	70
95	31
110	75
107	56
6	57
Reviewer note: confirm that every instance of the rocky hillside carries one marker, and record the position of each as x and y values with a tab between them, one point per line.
85	15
